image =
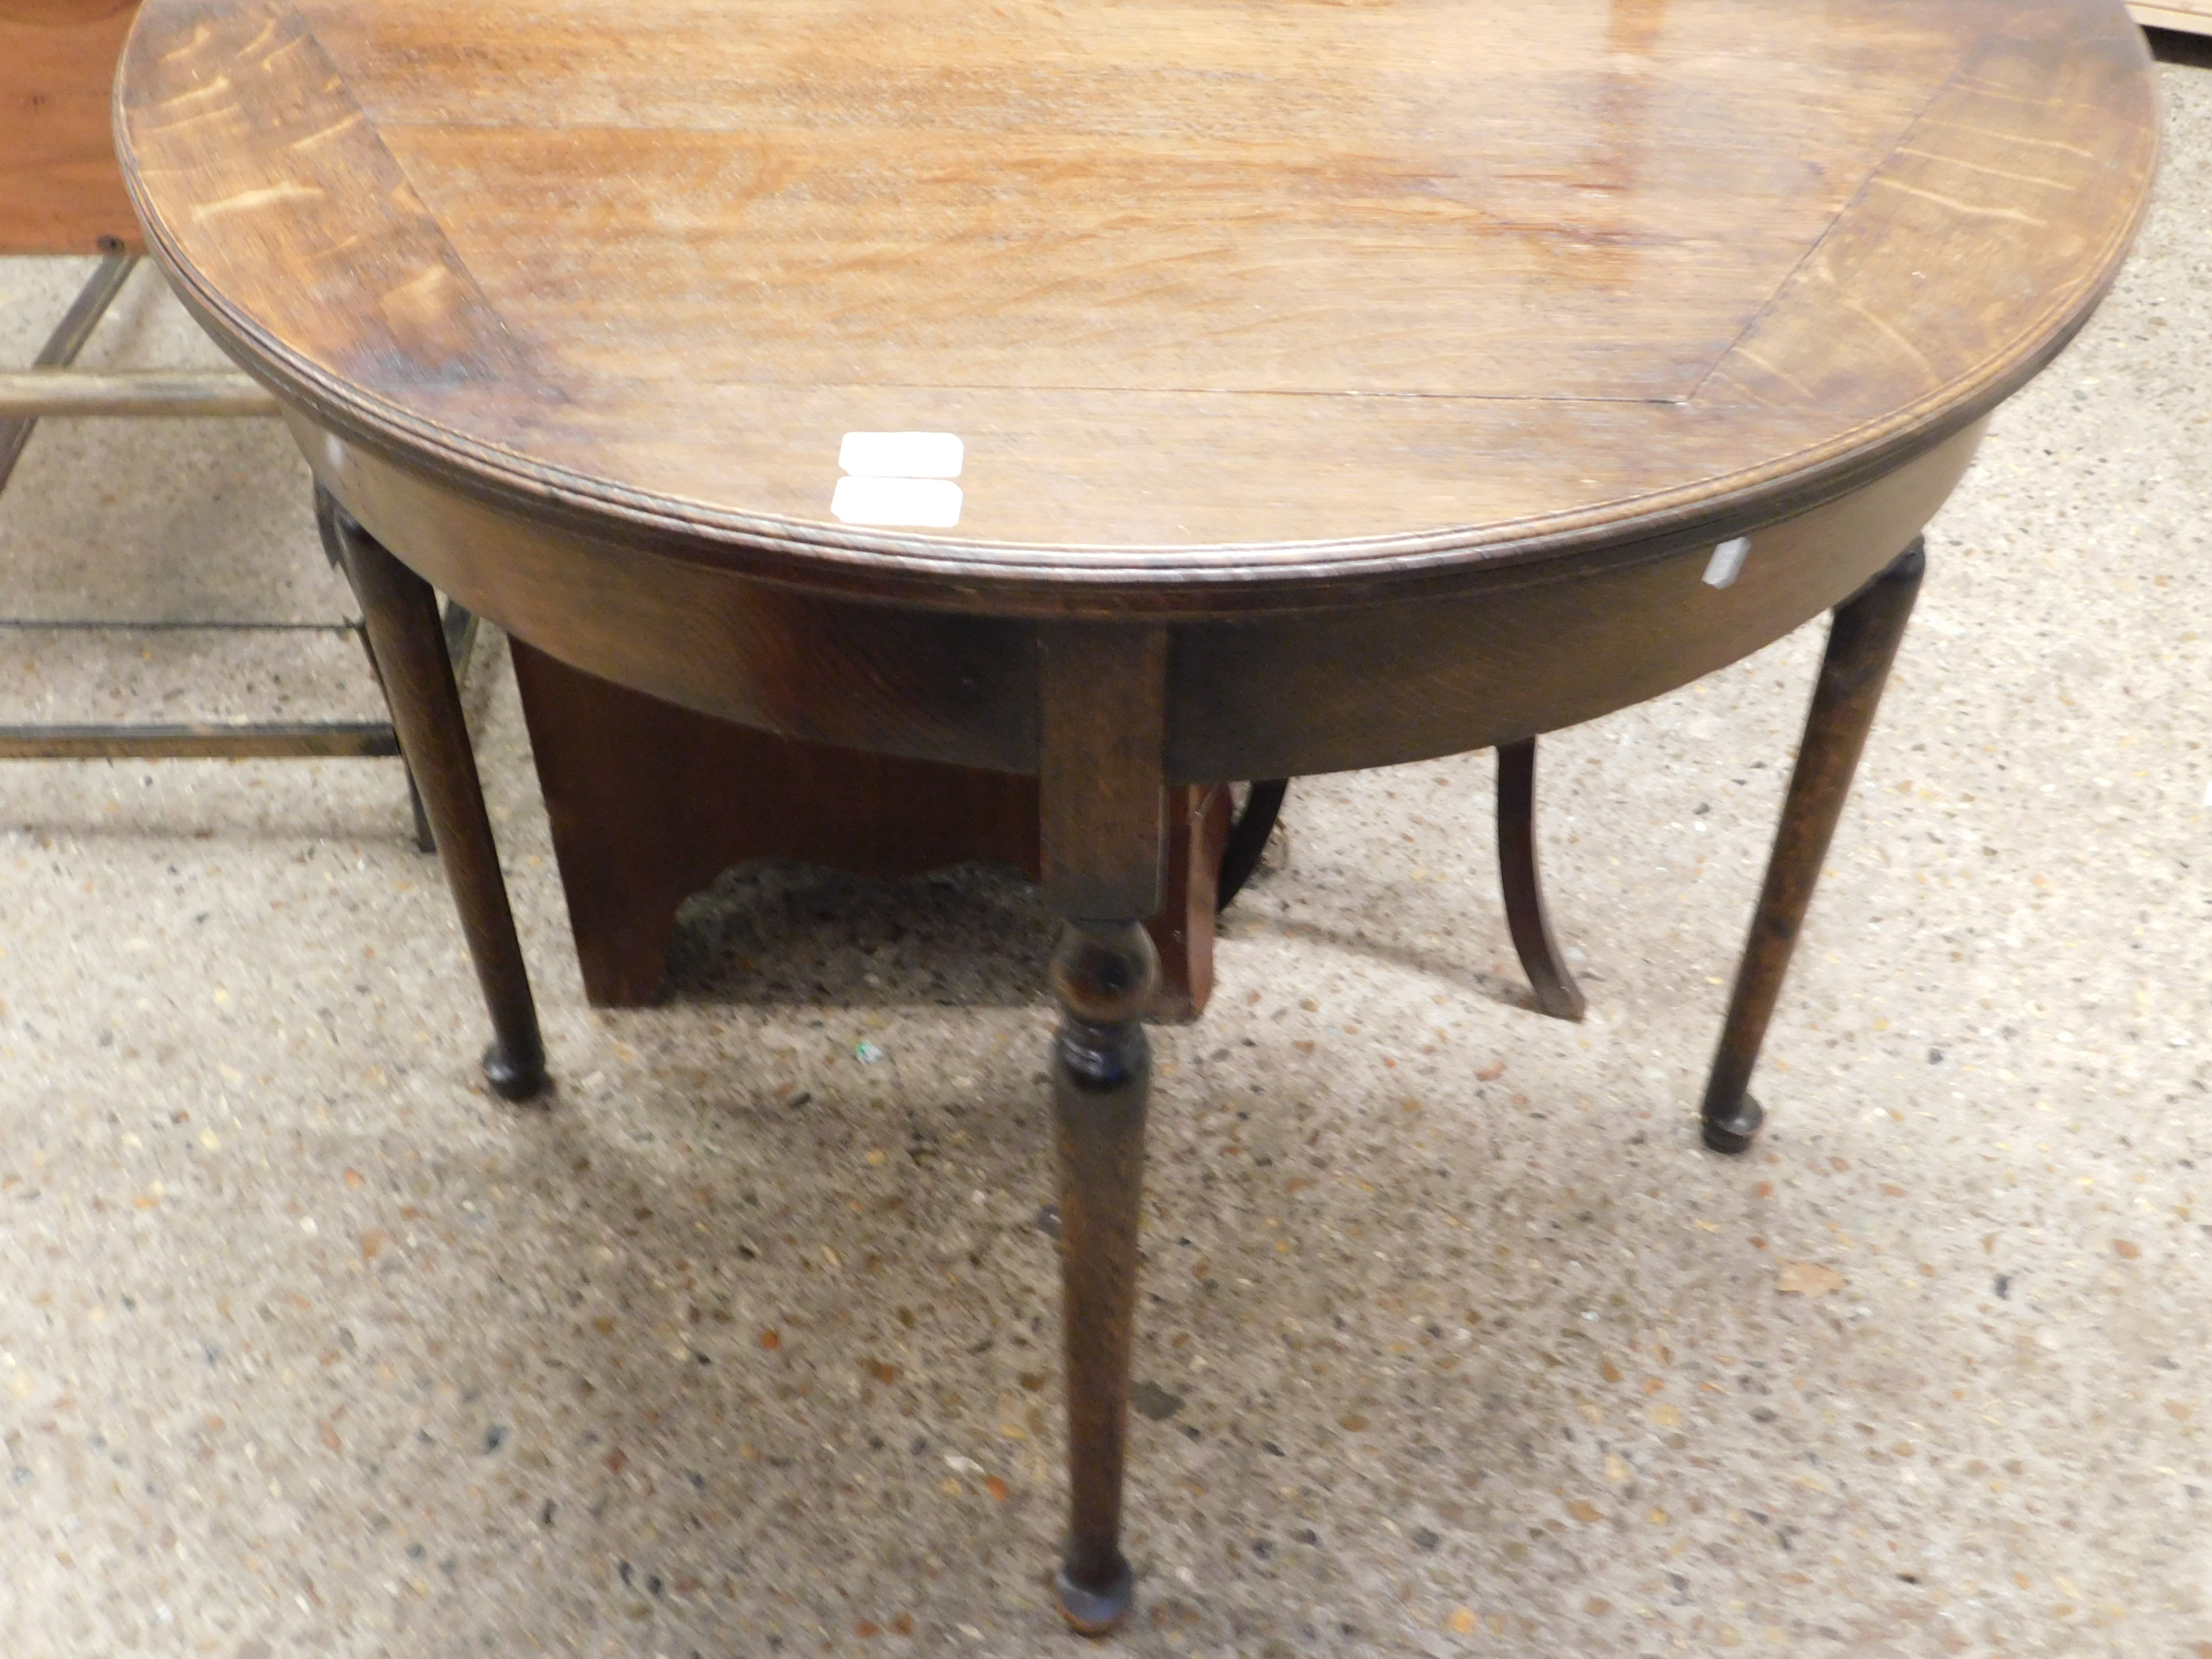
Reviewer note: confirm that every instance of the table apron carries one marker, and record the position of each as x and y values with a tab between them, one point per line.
1522	651
1331	691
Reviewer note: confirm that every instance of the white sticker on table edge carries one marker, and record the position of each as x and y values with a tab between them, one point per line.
918	503
1727	562
902	454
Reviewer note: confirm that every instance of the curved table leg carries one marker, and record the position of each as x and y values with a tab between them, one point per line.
1862	642
1556	993
326	525
408	642
1248	838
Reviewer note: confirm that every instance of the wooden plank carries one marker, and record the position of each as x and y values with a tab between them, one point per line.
2191	16
274	740
59	393
60	191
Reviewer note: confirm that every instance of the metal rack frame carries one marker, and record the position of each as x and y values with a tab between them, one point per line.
51	387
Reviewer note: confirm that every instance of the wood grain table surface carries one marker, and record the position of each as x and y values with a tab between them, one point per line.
1205	289
1140	394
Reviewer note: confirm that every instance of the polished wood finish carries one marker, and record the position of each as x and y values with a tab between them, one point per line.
1862	642
407	643
1549	977
650	801
1522	651
1693	269
60	190
1337	384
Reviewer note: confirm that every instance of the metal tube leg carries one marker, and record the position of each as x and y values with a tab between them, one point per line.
409	645
68	339
1103	974
1556	993
1862	642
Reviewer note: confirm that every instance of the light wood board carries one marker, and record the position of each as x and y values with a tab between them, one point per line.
59	189
2193	15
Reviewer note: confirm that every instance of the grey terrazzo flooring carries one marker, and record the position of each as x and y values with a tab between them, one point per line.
1453	1341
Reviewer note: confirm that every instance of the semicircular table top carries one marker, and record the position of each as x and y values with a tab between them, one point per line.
1320	291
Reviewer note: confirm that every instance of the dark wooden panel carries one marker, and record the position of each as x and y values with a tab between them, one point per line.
1399	683
649	802
1101	729
960	689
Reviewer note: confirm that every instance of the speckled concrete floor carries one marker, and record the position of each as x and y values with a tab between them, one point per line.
1453	1341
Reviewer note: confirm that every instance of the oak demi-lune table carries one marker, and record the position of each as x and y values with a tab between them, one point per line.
1137	394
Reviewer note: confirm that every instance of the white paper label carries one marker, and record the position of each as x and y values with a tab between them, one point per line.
922	503
902	454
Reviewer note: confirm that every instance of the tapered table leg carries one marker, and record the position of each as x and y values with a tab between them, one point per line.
408	641
1862	642
326	523
1556	993
1104	975
1102	707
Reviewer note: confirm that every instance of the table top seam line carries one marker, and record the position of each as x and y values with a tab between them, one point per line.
1842	213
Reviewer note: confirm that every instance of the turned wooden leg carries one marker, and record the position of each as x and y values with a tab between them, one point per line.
1862	642
1103	974
1102	697
408	642
1556	993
